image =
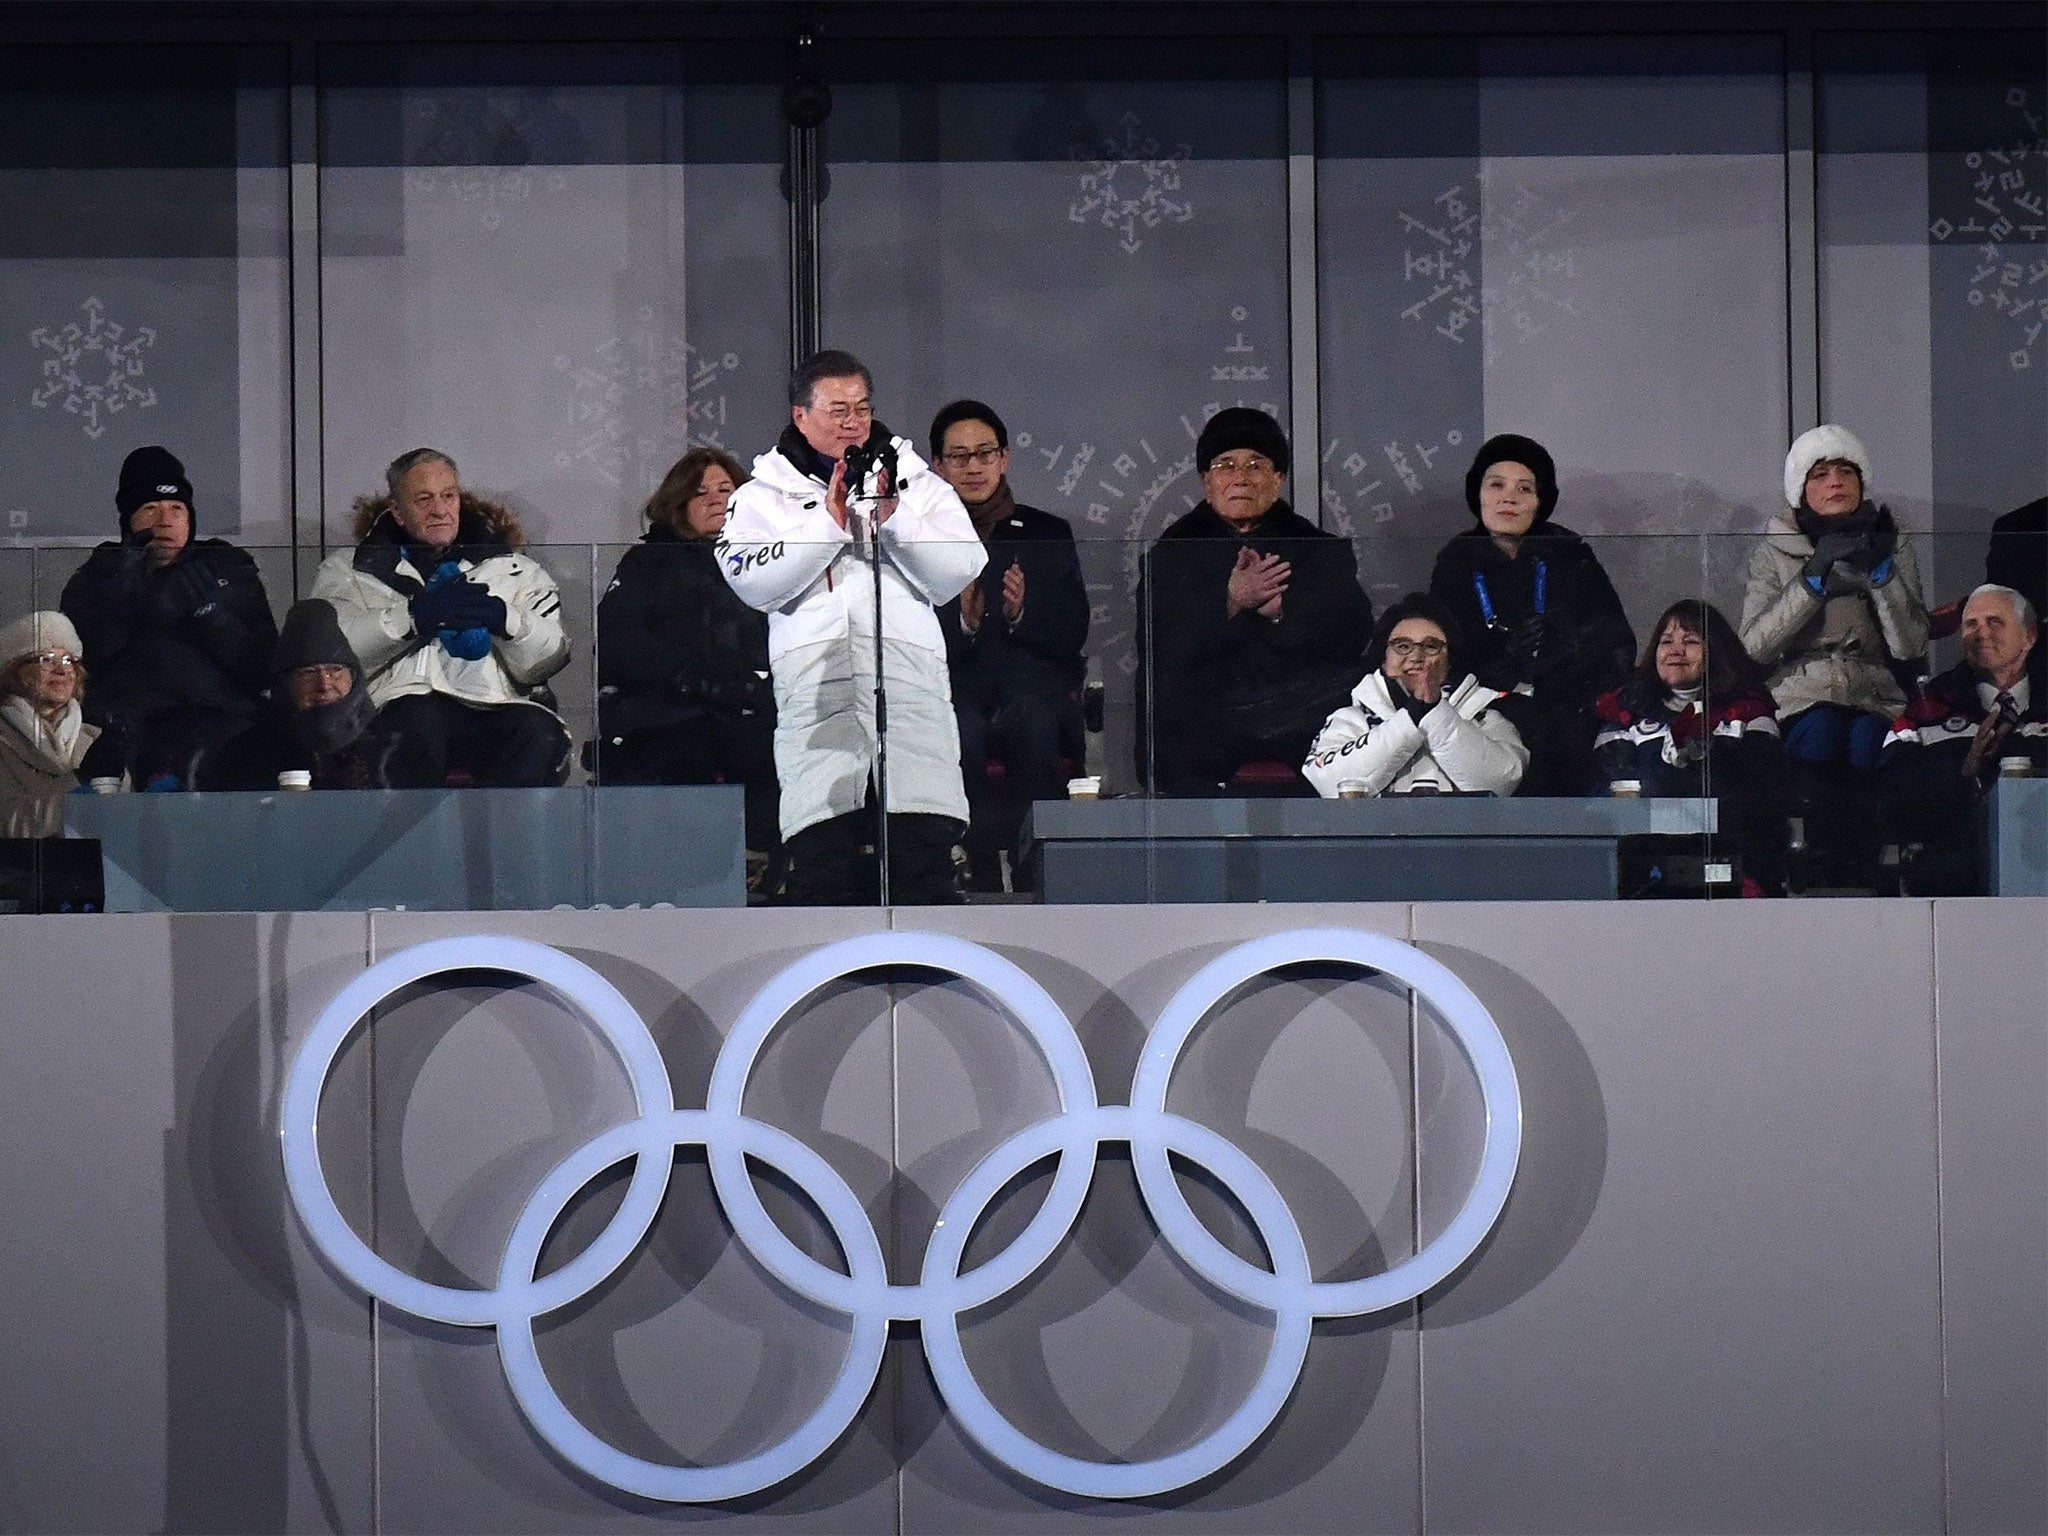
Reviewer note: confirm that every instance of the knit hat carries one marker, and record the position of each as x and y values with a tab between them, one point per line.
36	632
151	474
1241	427
1809	448
312	637
1513	448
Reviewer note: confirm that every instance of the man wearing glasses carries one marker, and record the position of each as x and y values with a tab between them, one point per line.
1251	622
809	545
1014	637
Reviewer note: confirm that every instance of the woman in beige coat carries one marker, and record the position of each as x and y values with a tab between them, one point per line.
1832	611
44	740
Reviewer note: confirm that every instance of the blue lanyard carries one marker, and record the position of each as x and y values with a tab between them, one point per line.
1486	598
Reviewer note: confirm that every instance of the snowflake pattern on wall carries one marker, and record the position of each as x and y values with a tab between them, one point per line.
1130	184
1524	239
1149	482
2005	210
93	369
608	391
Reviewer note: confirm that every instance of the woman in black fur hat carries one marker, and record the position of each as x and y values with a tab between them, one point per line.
1545	625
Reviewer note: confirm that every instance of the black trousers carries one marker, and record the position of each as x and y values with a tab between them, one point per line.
832	863
201	749
711	749
504	746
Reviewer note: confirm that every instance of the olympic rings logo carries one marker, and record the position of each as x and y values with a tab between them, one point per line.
863	1294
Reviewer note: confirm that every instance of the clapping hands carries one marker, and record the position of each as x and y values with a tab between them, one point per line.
1257	584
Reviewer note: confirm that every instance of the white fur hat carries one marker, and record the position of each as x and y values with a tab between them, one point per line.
34	632
1809	448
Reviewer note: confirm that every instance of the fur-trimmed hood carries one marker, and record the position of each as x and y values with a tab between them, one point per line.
486	525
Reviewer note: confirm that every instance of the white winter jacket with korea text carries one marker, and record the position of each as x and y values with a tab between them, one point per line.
1463	743
783	554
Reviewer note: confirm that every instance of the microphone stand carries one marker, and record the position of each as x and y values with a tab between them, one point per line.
874	530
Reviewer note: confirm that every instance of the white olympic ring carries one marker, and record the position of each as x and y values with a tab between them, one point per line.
863	1294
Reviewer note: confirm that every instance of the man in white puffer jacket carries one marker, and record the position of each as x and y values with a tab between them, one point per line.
798	544
1416	720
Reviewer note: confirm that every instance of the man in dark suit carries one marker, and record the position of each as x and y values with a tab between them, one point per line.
1013	638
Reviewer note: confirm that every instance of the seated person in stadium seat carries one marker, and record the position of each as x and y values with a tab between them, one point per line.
682	664
1831	610
1013	638
1545	625
322	719
456	629
46	748
1696	720
1251	621
1419	721
179	630
1944	752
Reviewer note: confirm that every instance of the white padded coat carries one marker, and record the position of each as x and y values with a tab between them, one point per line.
1462	743
783	554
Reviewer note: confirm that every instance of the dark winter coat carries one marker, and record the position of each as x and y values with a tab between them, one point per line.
1053	627
1200	666
196	634
674	642
2018	556
1585	646
1921	771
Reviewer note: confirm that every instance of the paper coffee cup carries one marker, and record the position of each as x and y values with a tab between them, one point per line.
1351	789
108	786
1626	789
2015	768
295	778
1425	787
1084	789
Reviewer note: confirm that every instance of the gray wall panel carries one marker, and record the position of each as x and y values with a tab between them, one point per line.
1712	1303
1114	1350
1992	962
456	1455
1746	1334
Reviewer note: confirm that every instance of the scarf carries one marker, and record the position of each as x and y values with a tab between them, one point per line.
1870	519
326	729
58	741
990	514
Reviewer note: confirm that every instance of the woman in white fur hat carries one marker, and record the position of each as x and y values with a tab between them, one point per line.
46	748
1832	612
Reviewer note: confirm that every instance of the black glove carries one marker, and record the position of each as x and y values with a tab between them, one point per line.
1526	643
1828	549
481	609
187	590
1413	706
457	605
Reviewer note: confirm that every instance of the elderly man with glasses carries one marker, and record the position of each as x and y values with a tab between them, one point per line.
848	541
1251	622
1013	639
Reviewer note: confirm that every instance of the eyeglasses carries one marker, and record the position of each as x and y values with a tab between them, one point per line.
1251	467
843	413
1407	650
960	458
56	661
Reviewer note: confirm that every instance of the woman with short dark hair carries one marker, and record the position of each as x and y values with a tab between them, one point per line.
682	664
1418	722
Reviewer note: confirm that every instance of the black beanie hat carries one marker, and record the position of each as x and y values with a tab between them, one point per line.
1241	427
151	474
312	637
1513	448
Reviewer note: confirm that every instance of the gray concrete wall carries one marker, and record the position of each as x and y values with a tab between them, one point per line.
1776	1259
